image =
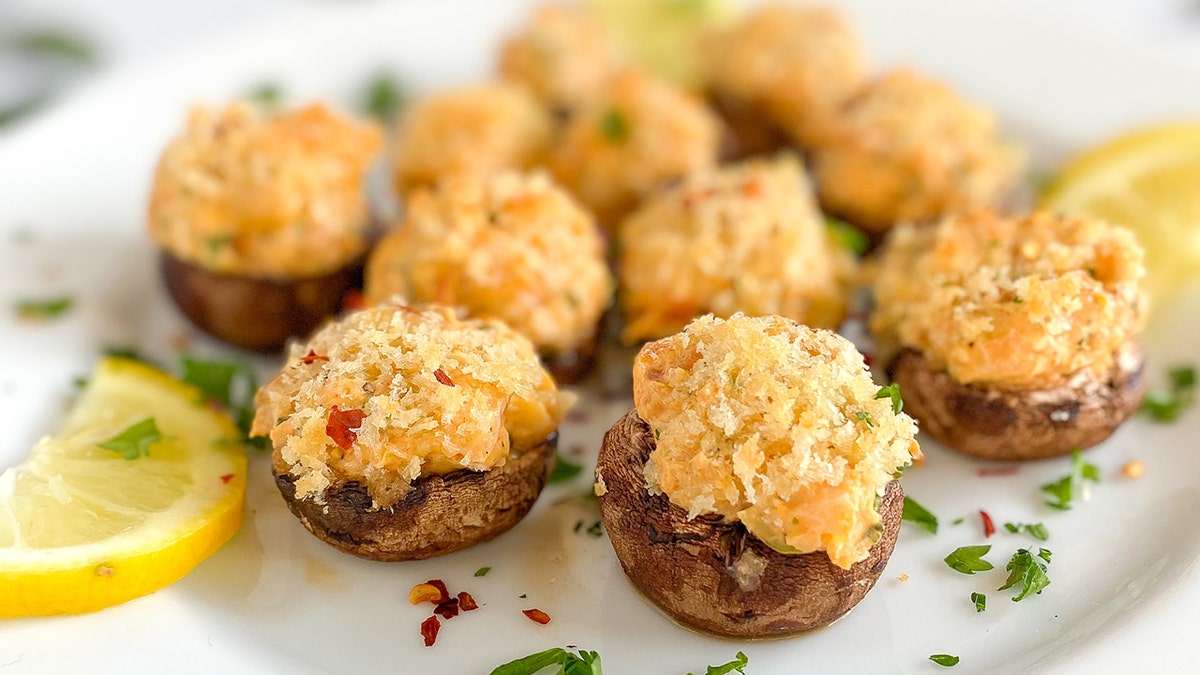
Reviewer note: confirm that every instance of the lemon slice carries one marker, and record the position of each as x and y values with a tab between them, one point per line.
663	35
82	527
1148	181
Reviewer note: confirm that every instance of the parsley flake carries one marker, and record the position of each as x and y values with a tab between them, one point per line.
482	571
580	663
383	98
892	391
232	384
135	441
1062	492
980	601
946	660
614	126
43	310
846	235
865	416
266	94
739	664
969	559
1166	405
564	469
1036	530
1026	571
919	516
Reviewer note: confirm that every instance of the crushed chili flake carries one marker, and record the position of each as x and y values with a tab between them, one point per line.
429	630
312	357
989	528
867	359
466	602
448	609
441	586
226	478
342	425
353	299
990	471
443	377
537	616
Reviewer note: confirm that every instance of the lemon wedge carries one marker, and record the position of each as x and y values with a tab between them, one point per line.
1148	181
143	482
663	35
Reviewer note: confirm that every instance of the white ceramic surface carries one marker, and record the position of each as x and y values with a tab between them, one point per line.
73	187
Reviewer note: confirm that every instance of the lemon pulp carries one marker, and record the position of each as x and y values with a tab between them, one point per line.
82	528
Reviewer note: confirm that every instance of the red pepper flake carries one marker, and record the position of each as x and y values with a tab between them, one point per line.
537	616
353	299
867	359
448	609
441	586
312	357
342	425
226	478
466	602
443	377
989	472
989	528
429	630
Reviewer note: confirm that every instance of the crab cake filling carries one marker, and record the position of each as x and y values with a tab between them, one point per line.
774	424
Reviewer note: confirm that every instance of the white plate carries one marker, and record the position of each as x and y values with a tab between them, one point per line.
73	187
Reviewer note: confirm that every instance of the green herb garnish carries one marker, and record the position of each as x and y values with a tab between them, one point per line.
944	660
564	469
52	43
482	571
383	98
958	521
135	441
232	384
43	310
919	516
739	664
1062	492
1166	405
969	559
846	235
980	601
614	126
267	94
892	391
1025	570
865	416
582	663
1036	530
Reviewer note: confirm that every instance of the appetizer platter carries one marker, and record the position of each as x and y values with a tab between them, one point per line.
563	504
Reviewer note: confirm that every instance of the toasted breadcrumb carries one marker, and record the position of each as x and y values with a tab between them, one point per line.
775	424
906	147
244	192
514	247
639	134
743	238
382	361
1016	302
795	64
563	54
479	129
1133	469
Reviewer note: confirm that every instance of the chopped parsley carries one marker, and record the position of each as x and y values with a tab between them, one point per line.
1028	571
969	559
266	94
919	516
232	384
958	521
1165	405
944	660
892	391
1061	493
482	571
1036	530
135	441
865	416
980	601
564	469
383	98
580	663
614	126
43	310
54	43
739	664
846	235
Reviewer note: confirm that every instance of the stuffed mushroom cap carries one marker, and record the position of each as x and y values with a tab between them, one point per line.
246	192
390	395
744	238
776	425
512	246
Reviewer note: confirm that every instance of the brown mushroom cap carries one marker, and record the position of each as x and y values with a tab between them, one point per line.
256	313
716	576
1002	424
441	514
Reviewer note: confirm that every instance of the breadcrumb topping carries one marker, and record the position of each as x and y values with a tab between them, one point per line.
907	147
1016	302
514	247
480	129
639	134
563	54
241	191
436	394
775	424
743	238
796	64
